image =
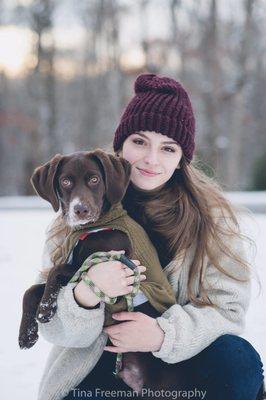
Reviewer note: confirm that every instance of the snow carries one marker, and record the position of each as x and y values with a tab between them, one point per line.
255	201
22	236
24	202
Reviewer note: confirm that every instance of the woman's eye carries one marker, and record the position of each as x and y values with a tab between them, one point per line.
66	182
94	179
169	149
138	141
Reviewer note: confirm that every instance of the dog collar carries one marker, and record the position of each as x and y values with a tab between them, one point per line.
83	235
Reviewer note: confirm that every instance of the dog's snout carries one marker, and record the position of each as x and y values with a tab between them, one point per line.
81	210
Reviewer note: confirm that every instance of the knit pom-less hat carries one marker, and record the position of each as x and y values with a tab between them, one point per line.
162	105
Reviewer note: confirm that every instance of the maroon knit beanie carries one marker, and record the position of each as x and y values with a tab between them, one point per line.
162	105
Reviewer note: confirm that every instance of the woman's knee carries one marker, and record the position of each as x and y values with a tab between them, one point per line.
238	357
236	349
231	367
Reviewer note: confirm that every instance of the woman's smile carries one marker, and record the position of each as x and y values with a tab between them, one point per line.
147	172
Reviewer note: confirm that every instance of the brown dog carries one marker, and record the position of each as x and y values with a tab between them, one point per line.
85	185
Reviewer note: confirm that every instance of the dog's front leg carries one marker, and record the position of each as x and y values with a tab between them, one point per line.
136	367
142	371
28	331
133	371
58	276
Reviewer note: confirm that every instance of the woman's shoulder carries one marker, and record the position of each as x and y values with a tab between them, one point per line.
226	215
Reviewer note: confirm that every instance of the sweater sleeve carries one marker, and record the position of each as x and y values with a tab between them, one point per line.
189	329
72	325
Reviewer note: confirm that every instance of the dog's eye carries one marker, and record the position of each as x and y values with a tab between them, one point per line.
66	182
94	179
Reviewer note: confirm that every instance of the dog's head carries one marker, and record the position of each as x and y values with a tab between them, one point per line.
82	183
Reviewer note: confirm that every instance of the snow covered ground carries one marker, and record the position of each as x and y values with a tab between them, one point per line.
22	235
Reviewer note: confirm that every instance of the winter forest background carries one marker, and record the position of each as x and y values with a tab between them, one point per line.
67	69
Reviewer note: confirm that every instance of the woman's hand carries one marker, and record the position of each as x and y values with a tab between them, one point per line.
139	333
112	277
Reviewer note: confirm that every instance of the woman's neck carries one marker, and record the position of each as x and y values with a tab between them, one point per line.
146	193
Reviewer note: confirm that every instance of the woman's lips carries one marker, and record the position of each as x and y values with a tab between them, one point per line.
146	172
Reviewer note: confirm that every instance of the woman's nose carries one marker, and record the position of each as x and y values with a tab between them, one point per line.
151	158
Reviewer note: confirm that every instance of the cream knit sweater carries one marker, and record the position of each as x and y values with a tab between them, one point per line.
78	340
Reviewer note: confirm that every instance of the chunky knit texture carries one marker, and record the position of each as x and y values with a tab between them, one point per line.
162	105
77	332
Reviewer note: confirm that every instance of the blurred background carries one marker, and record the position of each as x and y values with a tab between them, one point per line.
67	70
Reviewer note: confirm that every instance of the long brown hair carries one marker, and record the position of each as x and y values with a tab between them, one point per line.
191	210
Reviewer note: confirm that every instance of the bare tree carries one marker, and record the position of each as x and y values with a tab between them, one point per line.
102	86
42	80
236	99
212	83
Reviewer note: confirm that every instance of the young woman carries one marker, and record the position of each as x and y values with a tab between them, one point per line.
196	233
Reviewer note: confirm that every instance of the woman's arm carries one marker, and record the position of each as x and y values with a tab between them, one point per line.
189	329
72	325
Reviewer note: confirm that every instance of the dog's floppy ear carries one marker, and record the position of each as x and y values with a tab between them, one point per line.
116	174
43	181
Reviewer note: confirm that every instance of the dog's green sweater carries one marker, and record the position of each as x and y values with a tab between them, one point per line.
156	287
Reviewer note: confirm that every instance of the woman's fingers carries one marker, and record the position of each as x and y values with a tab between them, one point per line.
137	262
128	272
131	279
141	268
114	341
127	290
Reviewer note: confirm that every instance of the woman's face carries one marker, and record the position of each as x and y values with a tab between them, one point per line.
153	157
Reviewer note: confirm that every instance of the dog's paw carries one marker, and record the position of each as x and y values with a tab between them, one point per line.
46	310
28	336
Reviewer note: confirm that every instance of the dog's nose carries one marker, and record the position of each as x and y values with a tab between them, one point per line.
81	210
